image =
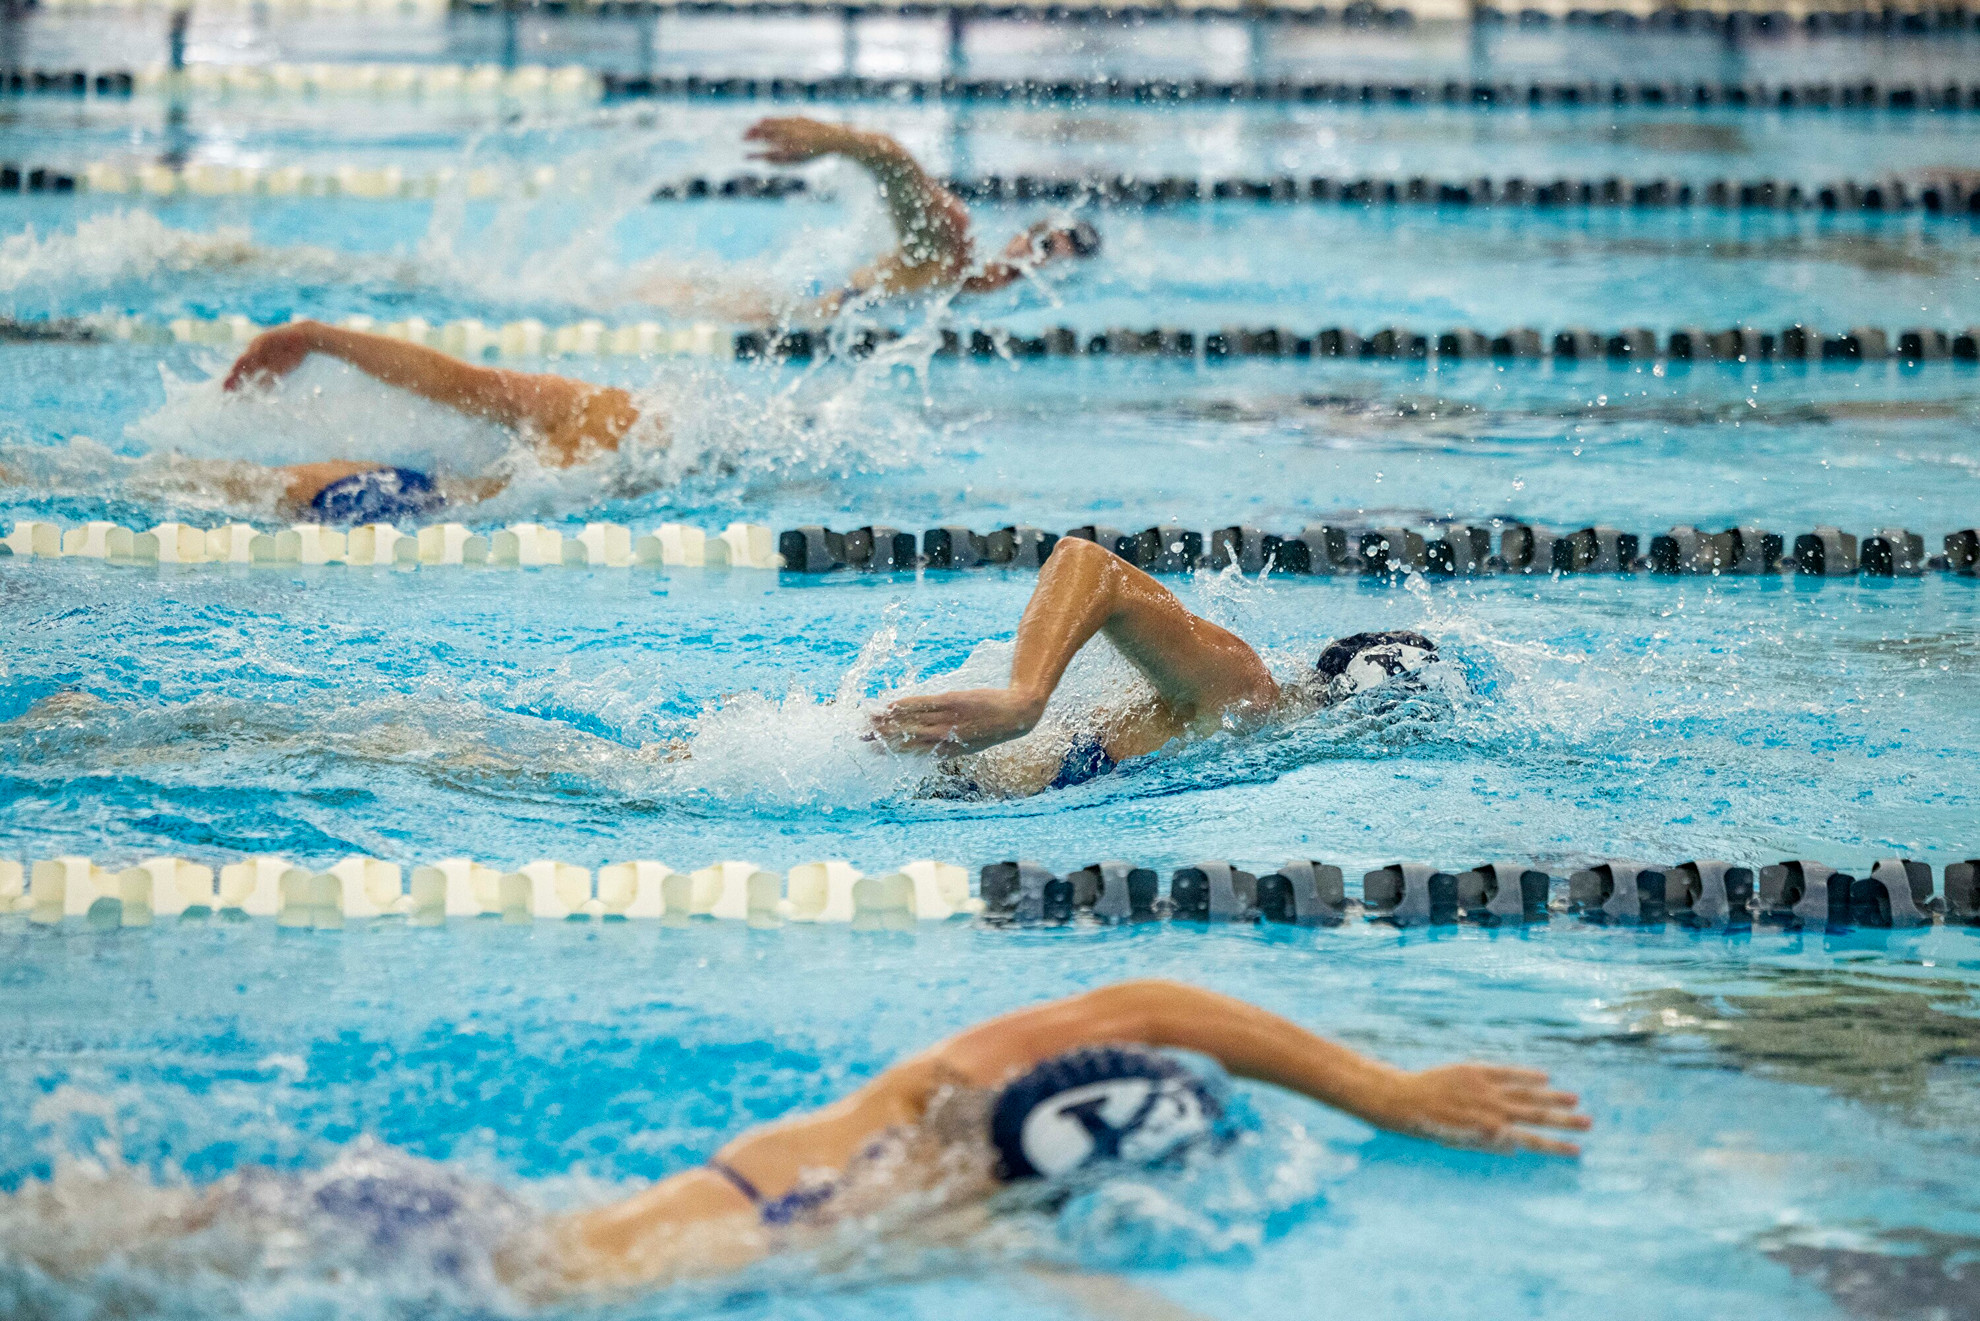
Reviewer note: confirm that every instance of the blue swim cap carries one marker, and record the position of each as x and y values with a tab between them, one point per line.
377	495
1096	1104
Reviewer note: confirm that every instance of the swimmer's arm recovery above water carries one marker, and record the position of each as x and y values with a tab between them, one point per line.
934	250
931	224
1204	676
663	1232
570	421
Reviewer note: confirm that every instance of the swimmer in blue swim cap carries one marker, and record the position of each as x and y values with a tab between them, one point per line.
570	422
1205	678
1046	1094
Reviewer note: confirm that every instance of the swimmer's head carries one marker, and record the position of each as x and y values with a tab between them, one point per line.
1099	1104
1363	662
1049	241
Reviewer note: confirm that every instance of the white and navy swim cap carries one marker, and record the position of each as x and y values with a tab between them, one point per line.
1365	661
1100	1103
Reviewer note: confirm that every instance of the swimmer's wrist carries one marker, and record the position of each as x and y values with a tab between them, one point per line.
1380	1094
1028	705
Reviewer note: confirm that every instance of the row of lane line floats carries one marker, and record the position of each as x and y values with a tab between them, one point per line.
1910	346
360	888
219	179
1795	893
383	545
464	338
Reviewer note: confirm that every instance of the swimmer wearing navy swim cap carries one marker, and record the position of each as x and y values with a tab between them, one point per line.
1043	1093
1206	679
572	422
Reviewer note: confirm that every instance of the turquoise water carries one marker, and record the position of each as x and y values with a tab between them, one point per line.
1784	1122
1772	1111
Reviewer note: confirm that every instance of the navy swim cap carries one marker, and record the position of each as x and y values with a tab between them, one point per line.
1099	1103
1365	661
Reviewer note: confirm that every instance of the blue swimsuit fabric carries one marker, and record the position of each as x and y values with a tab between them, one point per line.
1085	760
382	495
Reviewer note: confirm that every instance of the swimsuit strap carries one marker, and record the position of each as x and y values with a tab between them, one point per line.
775	1210
742	1185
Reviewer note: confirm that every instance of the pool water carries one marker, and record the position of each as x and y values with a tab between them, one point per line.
1775	1113
1784	1121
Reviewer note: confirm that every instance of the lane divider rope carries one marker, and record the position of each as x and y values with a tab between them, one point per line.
1446	549
1795	894
1952	196
1319	550
384	545
450	81
1799	342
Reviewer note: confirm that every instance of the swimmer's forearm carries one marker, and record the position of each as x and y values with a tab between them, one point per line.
1258	1044
1248	1041
930	222
1077	594
426	372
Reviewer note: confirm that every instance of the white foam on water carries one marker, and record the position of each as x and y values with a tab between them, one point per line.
803	748
724	431
42	274
325	409
372	1232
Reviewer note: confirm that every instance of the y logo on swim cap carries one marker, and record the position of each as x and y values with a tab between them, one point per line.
1139	1120
1099	1103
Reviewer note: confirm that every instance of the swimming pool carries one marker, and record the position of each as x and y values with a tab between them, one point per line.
1784	1117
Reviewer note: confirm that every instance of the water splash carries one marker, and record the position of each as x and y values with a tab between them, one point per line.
124	258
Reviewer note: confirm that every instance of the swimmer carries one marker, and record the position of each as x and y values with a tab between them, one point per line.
1027	1103
1036	1095
934	253
568	422
1206	679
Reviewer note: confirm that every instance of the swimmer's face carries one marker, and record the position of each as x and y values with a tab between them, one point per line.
1045	242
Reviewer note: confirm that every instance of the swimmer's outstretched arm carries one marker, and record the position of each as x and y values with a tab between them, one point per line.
1471	1105
1202	674
573	418
931	224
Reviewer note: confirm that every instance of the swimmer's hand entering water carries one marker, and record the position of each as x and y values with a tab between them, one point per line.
956	723
273	355
1487	1107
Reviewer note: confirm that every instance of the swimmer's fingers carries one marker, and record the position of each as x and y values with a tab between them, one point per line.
959	722
1518	1139
914	724
1522	1096
1547	1116
790	139
273	354
1499	1139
